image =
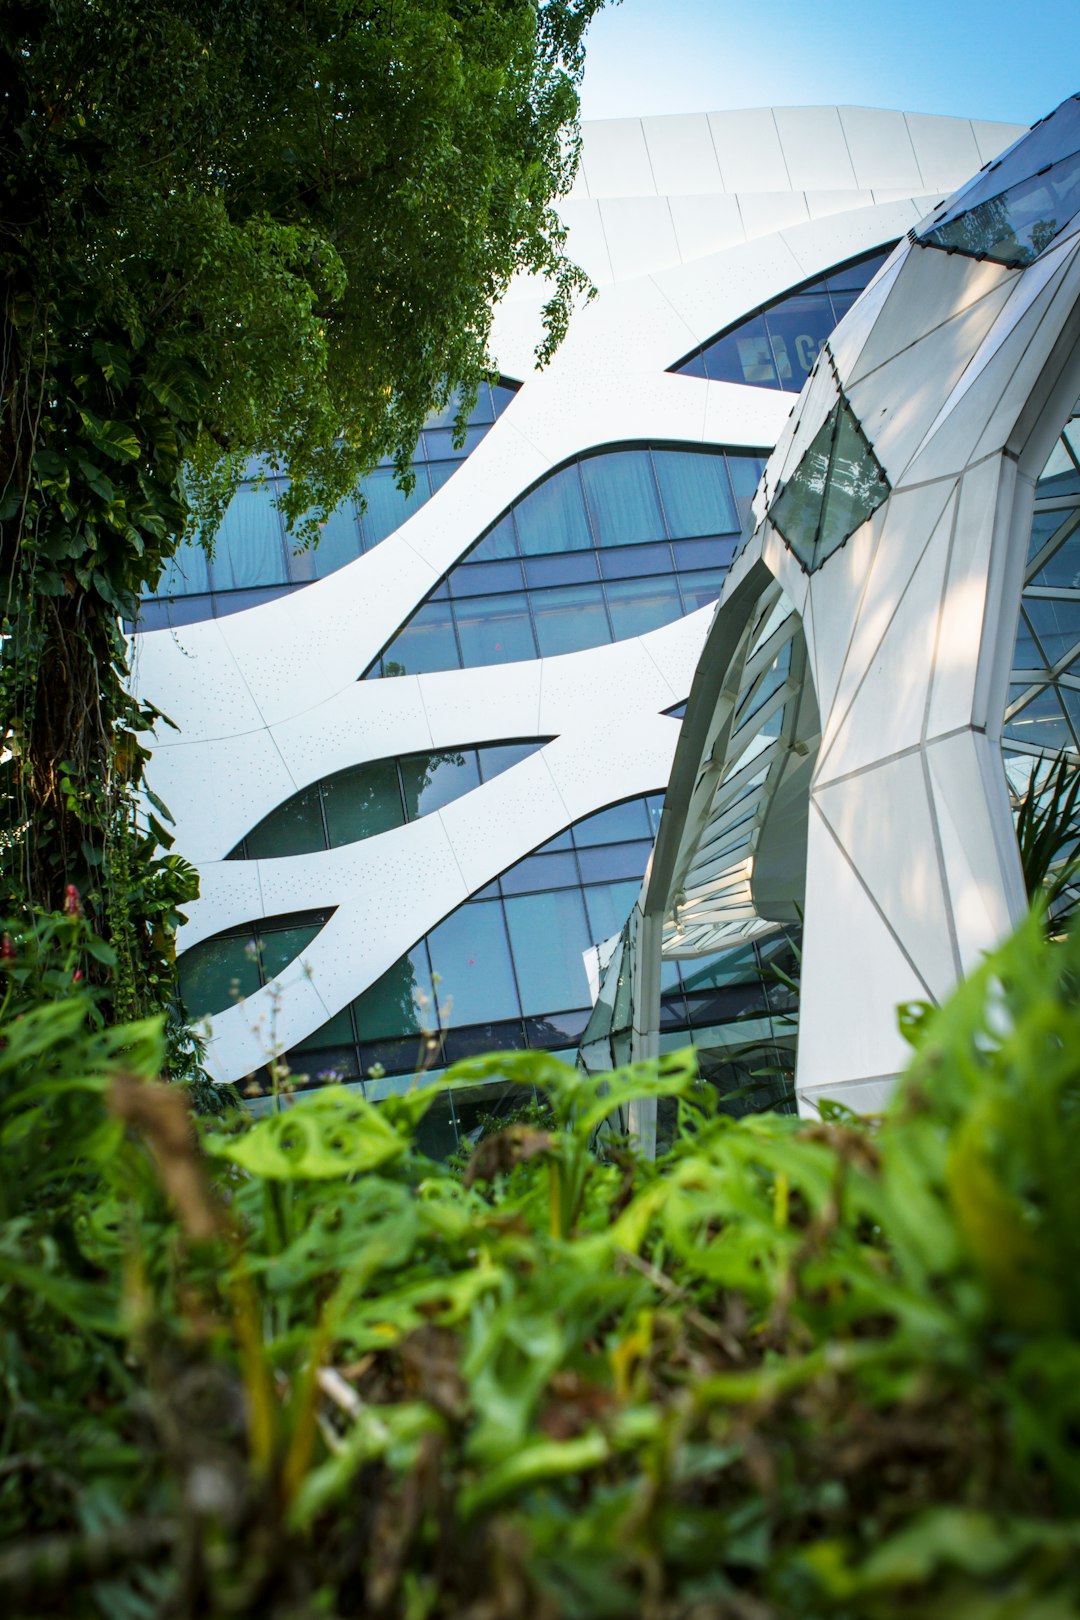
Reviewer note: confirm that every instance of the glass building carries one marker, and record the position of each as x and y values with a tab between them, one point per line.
421	767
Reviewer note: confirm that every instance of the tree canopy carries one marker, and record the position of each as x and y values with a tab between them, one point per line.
233	228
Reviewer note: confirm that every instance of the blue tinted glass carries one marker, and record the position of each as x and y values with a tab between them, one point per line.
1056	623
857	275
400	1003
744	356
569	618
696	493
501	756
690	554
549	934
1040	724
552	871
439	443
500	542
440	471
186	573
627	562
622	821
432	780
694	367
552	517
640	605
494	630
745	474
567	568
699	589
339	541
1063	568
426	643
655	809
797	330
361	801
470	950
621	492
387	507
610	861
249	549
484	578
501	396
608	905
294	828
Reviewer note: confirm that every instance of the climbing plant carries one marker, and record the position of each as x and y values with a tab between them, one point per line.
232	228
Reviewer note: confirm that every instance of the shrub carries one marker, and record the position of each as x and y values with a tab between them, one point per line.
797	1368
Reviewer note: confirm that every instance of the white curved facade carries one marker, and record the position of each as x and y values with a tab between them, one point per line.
841	758
687	225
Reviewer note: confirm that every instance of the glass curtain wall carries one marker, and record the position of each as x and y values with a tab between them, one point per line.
777	347
504	971
1043	714
611	545
253	559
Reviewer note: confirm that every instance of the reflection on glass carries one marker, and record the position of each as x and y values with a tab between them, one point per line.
836	486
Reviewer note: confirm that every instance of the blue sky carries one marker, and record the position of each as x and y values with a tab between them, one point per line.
1012	62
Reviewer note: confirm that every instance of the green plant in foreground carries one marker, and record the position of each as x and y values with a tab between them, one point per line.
807	1369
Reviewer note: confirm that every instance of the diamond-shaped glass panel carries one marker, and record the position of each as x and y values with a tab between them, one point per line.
837	485
1015	208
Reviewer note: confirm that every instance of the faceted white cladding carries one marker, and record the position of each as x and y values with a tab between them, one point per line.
688	224
957	371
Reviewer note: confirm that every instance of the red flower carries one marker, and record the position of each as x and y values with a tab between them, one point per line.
72	903
7	949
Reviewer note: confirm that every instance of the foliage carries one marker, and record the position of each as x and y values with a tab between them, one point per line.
231	228
1046	830
821	1370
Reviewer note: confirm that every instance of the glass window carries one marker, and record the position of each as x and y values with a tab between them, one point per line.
187	572
701	588
630	562
1041	723
337	1031
218	973
362	801
494	759
484	578
621	822
439	472
294	828
387	506
339	541
552	518
1062	570
1026	654
431	780
746	474
622	498
249	549
494	630
559	1030
426	643
549	934
280	946
639	605
797	330
1056	623
696	493
567	568
608	905
1013	224
569	618
501	541
400	1003
743	356
471	952
614	861
549	870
